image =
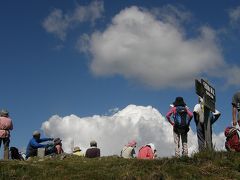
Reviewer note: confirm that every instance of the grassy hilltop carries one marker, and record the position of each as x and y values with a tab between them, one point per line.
206	165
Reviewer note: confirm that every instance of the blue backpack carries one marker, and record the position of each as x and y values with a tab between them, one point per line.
181	120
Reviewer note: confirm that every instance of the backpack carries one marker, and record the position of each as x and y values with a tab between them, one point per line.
15	153
181	120
232	139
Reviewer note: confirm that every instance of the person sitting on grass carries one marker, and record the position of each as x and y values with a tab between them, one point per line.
34	144
93	151
58	146
147	152
128	150
77	151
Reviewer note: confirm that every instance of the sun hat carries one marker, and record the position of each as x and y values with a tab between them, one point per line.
75	149
152	147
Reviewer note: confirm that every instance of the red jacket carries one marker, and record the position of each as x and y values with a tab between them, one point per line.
145	152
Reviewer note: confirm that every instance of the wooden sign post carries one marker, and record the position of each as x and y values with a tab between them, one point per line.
207	92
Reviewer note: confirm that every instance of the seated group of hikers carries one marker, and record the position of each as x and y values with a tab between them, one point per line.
37	147
147	151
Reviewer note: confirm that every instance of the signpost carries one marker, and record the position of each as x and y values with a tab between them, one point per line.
207	92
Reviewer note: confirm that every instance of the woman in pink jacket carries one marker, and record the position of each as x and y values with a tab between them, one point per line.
147	152
5	127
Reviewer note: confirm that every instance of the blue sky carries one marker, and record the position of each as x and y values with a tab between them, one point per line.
87	57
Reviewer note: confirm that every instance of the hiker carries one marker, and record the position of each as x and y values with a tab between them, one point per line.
236	109
93	151
147	152
5	126
34	144
198	114
78	152
128	150
15	155
232	139
181	118
58	146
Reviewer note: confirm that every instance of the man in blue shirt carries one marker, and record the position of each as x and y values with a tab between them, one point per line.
34	144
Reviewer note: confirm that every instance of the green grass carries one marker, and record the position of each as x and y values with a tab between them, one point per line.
205	165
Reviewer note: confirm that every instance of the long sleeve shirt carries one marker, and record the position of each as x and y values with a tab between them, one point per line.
5	126
35	144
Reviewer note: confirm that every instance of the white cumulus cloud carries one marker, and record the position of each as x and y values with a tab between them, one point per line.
234	15
152	48
58	23
144	124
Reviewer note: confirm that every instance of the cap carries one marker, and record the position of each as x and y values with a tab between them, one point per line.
4	112
93	143
36	133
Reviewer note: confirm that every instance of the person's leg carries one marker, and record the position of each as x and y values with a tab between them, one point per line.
177	143
184	144
6	142
201	137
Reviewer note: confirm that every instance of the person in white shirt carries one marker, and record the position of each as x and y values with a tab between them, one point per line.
198	114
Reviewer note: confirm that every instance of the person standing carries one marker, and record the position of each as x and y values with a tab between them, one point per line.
236	109
181	118
198	114
5	126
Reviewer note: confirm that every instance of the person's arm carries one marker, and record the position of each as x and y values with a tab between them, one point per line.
11	126
196	117
190	115
45	139
35	144
234	109
168	116
215	116
234	114
196	110
133	153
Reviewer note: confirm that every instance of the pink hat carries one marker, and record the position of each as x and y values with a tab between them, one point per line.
132	143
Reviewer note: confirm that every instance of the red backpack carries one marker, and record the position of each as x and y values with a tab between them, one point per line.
232	139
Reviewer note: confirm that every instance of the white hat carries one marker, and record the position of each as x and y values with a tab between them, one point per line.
152	146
